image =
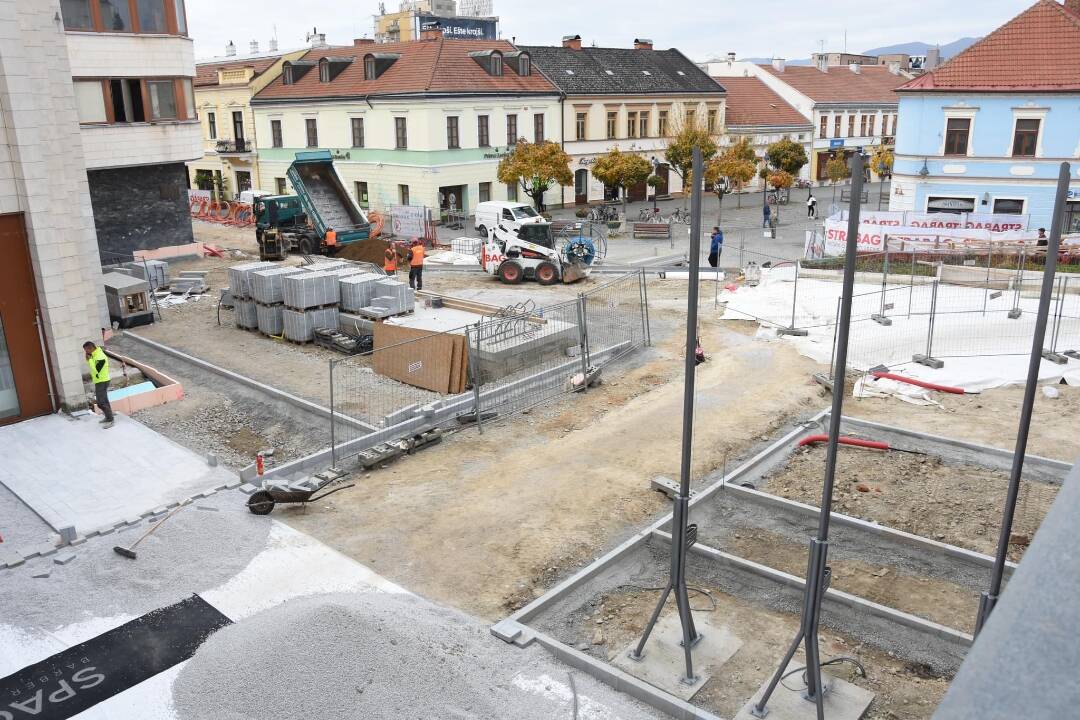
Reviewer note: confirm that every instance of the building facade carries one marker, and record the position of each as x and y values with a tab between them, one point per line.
757	113
132	66
51	298
416	123
851	107
982	137
626	98
223	91
417	16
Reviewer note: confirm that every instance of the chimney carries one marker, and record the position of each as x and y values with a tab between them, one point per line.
778	64
731	57
894	67
254	47
362	41
823	63
855	68
646	44
273	45
316	38
572	41
230	49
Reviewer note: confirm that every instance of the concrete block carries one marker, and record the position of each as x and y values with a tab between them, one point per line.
41	550
355	324
842	701
64	558
246	314
300	325
357	290
41	574
267	285
67	534
10	558
206	507
232	485
240	277
248	488
107	530
269	319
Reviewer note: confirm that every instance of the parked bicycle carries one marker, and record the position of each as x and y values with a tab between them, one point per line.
651	215
680	215
604	213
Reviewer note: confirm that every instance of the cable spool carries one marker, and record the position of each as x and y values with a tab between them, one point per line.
580	249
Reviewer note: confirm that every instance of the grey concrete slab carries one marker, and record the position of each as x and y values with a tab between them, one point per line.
843	700
72	472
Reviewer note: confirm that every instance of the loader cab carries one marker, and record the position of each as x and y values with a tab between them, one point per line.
537	234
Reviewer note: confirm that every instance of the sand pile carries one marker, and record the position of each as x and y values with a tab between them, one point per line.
371	250
378	655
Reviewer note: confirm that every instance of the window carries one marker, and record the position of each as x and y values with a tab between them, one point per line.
711	122
485	192
524	65
1008	206
511	130
369	67
357	132
1026	137
1072	217
287	74
212	122
631	124
452	139
324	71
401	136
954	205
189	98
238	126
579	126
115	15
181	16
691	118
127	100
837	119
956	136
612	119
851	126
496	64
312	127
90	101
279	185
507	215
823	131
361	193
862	125
403	194
893	125
511	192
243	181
275	133
870	125
643	124
483	137
661	126
151	16
77	14
538	127
162	99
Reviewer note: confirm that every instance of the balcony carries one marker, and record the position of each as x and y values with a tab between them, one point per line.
233	147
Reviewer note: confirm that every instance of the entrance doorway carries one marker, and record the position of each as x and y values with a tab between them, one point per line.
662	171
581	187
243	181
636	193
24	383
452	197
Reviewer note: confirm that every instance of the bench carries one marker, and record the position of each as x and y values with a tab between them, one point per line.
652	231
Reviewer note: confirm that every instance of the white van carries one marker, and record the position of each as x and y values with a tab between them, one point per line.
511	215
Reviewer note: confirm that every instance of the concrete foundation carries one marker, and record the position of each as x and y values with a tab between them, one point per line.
842	700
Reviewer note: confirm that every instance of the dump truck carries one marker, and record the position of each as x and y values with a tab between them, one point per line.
321	204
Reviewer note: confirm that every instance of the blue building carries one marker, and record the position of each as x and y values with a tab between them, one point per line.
986	132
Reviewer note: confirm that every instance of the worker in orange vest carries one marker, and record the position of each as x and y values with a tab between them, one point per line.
331	237
390	259
416	265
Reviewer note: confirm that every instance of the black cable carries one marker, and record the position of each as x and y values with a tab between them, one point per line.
700	591
834	661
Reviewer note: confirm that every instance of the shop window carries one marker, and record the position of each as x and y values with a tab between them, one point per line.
955	205
1008	206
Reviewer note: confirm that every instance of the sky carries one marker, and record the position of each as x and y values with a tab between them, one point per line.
701	29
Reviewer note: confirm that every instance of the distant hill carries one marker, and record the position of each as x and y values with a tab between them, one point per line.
910	48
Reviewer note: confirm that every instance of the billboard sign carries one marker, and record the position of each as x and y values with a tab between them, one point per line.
461	28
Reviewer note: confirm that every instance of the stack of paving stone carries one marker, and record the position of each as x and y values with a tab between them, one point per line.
240	287
357	291
389	297
311	300
267	290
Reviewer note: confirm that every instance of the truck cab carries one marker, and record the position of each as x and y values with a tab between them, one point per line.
277	211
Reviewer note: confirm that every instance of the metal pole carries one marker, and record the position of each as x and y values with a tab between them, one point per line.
1061	283
641	308
474	371
333	439
989	598
583	341
986	287
645	294
836	327
679	530
818	574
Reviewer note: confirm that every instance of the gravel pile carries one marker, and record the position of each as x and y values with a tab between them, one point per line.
378	655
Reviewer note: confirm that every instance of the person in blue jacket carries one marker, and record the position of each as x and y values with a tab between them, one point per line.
767	212
716	247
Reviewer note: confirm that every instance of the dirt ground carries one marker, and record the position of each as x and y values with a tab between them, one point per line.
903	691
959	504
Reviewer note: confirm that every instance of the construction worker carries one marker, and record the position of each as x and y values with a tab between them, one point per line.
416	265
99	375
390	259
331	237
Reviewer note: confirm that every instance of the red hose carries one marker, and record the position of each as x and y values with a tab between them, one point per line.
921	383
855	442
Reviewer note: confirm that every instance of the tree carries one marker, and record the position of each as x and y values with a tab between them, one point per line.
836	170
654	181
535	167
781	180
680	150
622	170
882	161
786	155
730	171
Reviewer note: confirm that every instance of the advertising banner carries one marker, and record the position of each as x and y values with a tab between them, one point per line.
461	28
943	221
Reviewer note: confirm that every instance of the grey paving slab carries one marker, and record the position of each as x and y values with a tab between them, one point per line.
70	471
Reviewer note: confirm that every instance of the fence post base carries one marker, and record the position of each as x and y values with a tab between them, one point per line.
797	332
881	320
1015	313
1056	358
823	380
930	362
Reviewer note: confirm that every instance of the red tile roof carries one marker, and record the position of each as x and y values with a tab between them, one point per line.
1039	49
874	84
750	102
206	74
425	66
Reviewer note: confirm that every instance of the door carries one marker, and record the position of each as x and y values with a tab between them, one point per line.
24	384
636	193
243	181
581	187
662	171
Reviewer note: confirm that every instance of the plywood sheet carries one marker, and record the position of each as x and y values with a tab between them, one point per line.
414	357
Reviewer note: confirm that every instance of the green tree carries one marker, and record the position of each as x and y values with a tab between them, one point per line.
730	171
882	161
836	169
622	170
786	155
680	150
535	167
654	181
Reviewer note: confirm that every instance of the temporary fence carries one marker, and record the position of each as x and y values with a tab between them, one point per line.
510	361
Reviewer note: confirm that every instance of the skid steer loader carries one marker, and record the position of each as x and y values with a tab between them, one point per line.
532	252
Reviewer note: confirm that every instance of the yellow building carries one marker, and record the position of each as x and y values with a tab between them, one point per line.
223	91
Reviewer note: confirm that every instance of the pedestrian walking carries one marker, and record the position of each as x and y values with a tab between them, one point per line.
811	206
716	247
99	375
767	212
390	260
416	265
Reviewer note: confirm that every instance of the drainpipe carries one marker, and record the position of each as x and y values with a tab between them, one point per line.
45	359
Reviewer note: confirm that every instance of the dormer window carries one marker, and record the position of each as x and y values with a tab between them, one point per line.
375	64
369	67
324	71
524	65
291	72
491	61
287	74
496	64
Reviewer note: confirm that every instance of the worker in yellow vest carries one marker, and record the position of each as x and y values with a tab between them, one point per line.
390	259
99	375
416	265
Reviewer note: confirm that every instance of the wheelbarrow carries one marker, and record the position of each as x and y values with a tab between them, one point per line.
262	501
